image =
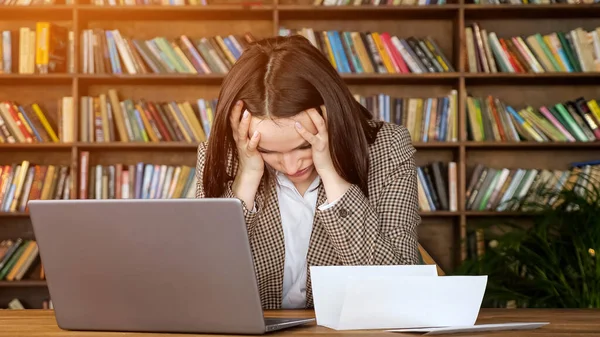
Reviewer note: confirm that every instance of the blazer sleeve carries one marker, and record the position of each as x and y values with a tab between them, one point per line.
250	215
364	233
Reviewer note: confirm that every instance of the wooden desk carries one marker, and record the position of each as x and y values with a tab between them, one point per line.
570	322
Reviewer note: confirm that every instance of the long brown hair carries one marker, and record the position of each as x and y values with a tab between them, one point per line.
278	77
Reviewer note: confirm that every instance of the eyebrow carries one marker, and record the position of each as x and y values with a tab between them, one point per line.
297	147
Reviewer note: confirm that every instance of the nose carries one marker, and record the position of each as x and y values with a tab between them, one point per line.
290	163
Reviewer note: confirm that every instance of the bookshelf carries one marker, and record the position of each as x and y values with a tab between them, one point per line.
442	232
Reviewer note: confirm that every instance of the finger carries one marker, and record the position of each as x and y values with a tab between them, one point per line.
317	120
234	118
253	143
309	137
244	126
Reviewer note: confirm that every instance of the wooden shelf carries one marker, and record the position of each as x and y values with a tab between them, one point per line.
35	146
23	283
491	214
172	13
584	78
532	145
138	146
532	78
215	79
37	12
173	79
532	11
36	79
439	214
14	215
303	12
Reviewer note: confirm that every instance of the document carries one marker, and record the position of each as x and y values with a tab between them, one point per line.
476	328
394	297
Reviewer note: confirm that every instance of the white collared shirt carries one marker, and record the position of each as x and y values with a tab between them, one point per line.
297	214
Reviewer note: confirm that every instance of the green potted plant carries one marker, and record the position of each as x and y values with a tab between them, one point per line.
552	263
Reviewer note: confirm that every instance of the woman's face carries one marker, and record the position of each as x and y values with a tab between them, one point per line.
283	148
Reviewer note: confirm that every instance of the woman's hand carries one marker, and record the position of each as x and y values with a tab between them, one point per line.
319	142
251	165
250	161
335	185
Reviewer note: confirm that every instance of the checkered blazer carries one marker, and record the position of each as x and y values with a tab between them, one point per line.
380	230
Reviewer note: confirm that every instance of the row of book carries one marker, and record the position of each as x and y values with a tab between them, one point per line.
135	181
437	186
519	189
31	124
491	119
47	48
18	258
489	188
110	52
24	181
367	52
576	50
428	119
106	118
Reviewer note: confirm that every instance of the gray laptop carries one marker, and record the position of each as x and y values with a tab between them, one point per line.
163	265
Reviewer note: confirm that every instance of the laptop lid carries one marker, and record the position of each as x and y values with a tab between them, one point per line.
163	265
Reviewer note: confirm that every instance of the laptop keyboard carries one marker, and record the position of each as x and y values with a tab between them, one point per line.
274	321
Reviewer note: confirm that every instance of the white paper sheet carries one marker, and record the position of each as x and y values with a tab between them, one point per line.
478	327
329	285
387	297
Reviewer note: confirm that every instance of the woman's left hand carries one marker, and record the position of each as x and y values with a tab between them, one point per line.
319	142
335	186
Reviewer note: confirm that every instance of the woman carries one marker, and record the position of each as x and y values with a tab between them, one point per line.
321	183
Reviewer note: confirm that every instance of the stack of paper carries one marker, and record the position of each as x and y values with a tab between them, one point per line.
395	297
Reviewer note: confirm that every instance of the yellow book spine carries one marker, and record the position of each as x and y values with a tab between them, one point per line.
186	120
362	53
593	105
188	111
28	250
42	47
45	123
225	50
24	121
329	50
149	130
19	182
387	62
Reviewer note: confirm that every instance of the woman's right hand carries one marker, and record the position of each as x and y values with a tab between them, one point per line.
251	165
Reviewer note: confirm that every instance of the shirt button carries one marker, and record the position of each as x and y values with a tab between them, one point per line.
343	213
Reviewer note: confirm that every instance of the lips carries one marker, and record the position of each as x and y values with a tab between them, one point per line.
299	173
